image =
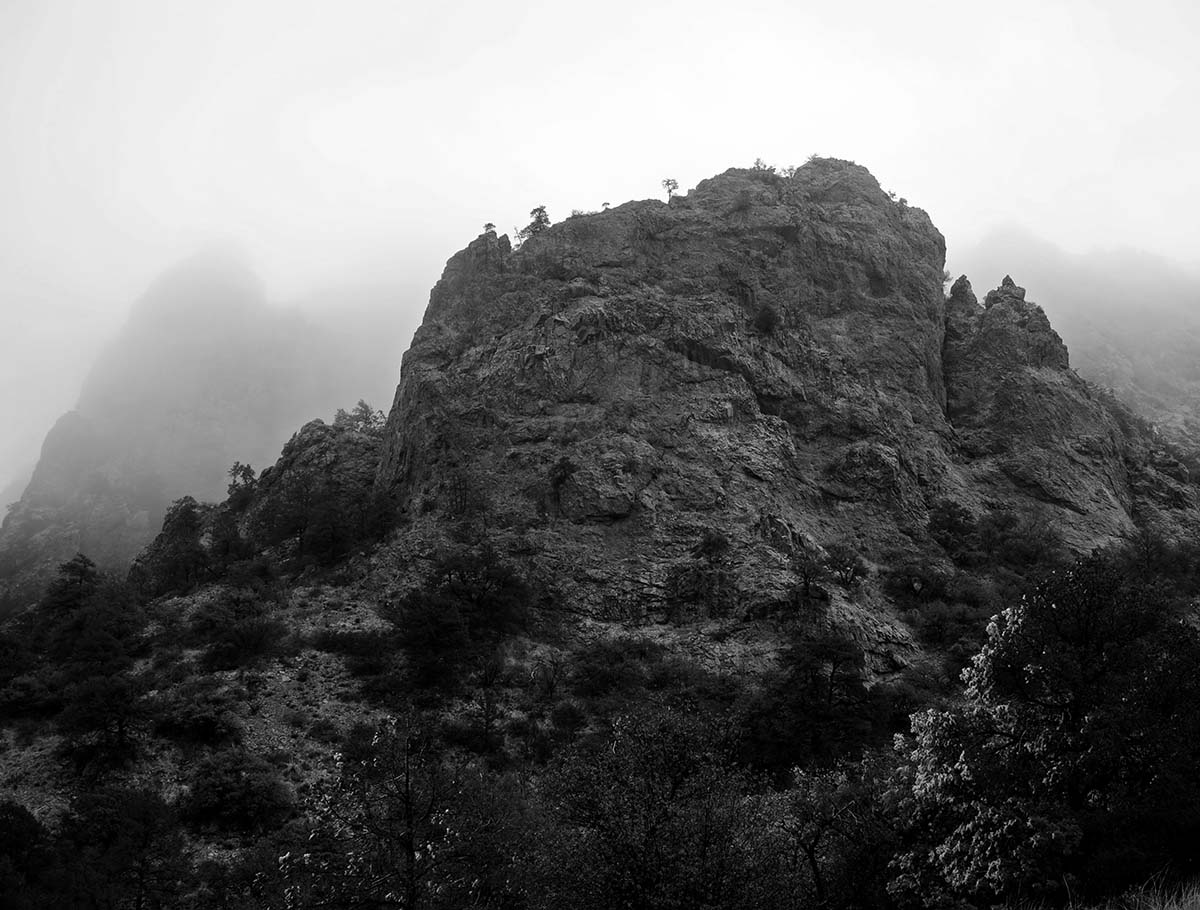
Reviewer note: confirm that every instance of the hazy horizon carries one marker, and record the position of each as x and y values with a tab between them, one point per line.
366	142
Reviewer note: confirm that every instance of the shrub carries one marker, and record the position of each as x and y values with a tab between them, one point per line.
367	653
568	716
766	320
123	848
810	569
255	574
410	824
560	472
954	529
324	730
546	676
646	817
815	709
76	581
706	585
100	719
29	695
941	624
1023	541
363	419
713	548
612	666
469	603
198	713
237	630
845	564
917	582
226	546
27	864
681	683
238	791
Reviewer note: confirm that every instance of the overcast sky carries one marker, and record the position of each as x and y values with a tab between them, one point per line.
333	138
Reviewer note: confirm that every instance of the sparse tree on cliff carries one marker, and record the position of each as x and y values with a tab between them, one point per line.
845	563
77	580
538	223
241	486
363	419
670	184
810	570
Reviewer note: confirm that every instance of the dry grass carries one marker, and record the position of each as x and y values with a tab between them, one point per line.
1149	897
1155	898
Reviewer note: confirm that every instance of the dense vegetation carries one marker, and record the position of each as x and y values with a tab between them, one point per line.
504	761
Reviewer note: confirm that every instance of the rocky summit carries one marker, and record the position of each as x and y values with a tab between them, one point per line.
771	357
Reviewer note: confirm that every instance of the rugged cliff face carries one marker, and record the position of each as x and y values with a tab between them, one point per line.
1026	425
769	357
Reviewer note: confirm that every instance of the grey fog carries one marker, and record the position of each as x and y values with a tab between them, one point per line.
347	149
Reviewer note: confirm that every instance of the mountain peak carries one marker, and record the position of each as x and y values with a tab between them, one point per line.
214	283
771	355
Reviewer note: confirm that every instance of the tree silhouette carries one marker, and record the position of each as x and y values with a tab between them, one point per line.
539	222
77	579
469	603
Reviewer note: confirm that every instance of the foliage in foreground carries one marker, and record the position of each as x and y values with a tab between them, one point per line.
1074	764
622	776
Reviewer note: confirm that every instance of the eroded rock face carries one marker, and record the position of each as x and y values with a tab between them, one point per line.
764	353
1027	424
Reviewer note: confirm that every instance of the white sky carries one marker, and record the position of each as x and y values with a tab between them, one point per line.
333	137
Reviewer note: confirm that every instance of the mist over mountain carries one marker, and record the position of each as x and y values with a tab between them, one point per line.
12	490
204	373
1131	318
518	457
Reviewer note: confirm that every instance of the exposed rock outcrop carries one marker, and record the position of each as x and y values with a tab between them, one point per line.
1024	418
320	491
1130	318
765	352
314	506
